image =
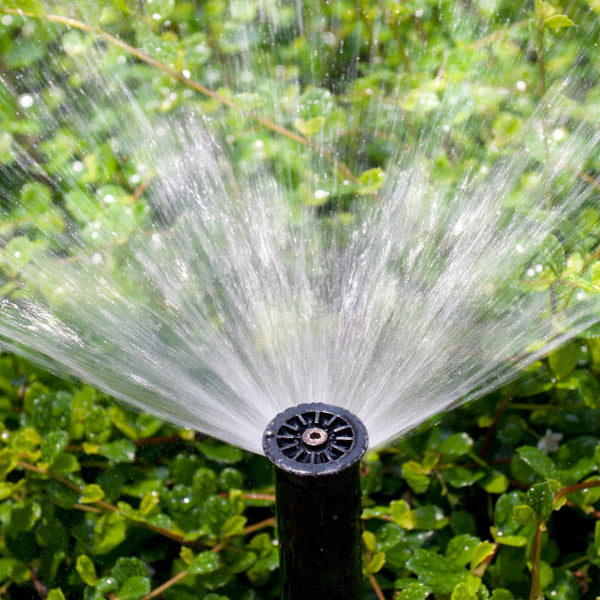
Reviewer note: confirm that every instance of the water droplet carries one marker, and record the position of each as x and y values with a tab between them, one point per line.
558	134
521	86
7	20
26	100
78	166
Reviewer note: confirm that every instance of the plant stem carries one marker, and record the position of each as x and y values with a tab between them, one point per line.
489	436
166	585
342	169
107	506
536	591
576	487
376	587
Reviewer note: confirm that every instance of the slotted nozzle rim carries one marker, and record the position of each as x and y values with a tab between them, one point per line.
315	439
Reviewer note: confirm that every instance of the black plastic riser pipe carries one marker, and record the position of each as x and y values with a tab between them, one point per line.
316	450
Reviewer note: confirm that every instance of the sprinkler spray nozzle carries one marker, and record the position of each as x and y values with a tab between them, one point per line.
316	450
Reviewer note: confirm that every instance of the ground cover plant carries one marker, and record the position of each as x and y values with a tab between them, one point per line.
498	500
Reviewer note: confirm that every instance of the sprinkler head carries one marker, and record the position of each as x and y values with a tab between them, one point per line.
315	439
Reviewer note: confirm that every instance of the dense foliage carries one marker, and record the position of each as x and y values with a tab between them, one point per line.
499	500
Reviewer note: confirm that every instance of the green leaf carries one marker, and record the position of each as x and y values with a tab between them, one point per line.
541	499
458	444
17	254
86	569
91	493
55	594
416	476
539	462
515	541
429	517
401	513
494	482
597	537
459	477
370	181
109	532
369	540
127	567
134	588
234	526
149	501
589	390
595	274
414	591
564	360
376	563
464	591
544	10
219	452
525	515
460	548
435	571
482	551
309	127
119	451
205	562
558	22
204	483
32	6
501	594
52	445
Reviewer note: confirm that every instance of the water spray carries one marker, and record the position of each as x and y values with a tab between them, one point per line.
316	449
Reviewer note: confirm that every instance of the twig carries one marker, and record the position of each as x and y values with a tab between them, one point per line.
40	588
260	525
250	529
492	429
536	590
576	487
166	585
376	587
109	507
338	166
484	41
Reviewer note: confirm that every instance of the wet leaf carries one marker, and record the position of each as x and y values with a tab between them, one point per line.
376	563
205	562
87	571
558	22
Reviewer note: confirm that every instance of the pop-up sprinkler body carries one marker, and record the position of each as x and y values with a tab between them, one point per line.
316	449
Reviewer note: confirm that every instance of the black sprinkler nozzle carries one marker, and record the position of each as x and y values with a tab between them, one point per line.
316	450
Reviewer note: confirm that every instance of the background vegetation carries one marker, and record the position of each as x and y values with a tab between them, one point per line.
497	501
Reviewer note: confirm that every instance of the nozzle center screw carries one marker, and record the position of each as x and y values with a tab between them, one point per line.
314	437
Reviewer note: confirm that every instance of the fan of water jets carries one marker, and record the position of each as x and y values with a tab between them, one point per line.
230	304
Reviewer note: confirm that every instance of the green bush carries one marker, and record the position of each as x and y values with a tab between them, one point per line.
498	500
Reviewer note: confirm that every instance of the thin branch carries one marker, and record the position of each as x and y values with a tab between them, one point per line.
271	521
107	506
338	166
376	587
576	487
250	529
536	590
166	585
500	33
492	428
